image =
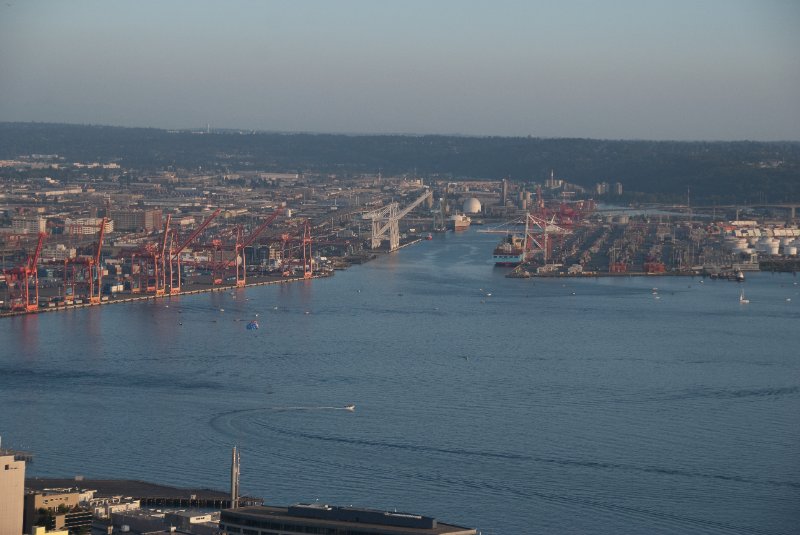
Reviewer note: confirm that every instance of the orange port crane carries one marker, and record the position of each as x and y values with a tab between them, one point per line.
90	273
159	261
20	279
307	259
175	255
241	267
95	269
287	256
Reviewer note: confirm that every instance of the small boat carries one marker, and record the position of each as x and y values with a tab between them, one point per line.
350	407
252	325
429	236
742	299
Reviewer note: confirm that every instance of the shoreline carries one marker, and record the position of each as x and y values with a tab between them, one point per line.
130	298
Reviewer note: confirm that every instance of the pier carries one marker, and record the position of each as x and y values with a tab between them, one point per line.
130	298
149	494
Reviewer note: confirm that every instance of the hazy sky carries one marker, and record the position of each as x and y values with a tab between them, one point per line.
671	69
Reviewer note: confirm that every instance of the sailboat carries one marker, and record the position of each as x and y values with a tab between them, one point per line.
742	299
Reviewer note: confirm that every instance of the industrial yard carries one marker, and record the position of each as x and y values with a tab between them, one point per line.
113	239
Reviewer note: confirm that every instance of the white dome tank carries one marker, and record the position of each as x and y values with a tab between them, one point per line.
471	206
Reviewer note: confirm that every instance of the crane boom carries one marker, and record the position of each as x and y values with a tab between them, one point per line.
393	218
163	248
35	258
250	239
100	241
196	233
414	204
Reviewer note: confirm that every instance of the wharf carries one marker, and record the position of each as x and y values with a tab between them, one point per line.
149	494
132	298
607	274
787	265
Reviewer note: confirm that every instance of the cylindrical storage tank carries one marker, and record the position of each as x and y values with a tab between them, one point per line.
773	250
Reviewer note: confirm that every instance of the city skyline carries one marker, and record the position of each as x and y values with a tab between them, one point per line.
716	71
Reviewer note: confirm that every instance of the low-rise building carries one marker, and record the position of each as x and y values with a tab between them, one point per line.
331	520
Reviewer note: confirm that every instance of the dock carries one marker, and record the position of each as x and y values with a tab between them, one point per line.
149	494
130	298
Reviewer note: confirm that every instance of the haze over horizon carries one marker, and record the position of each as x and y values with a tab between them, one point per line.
623	70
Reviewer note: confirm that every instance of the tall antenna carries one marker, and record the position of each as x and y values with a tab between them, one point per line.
235	479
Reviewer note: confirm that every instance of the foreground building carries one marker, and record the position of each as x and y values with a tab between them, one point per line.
12	493
331	520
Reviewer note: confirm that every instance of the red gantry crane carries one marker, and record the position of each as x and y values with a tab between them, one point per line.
289	248
175	255
241	267
20	279
86	270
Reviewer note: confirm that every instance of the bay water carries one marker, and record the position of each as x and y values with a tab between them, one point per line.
515	406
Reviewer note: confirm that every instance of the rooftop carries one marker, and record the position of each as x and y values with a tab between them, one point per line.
384	522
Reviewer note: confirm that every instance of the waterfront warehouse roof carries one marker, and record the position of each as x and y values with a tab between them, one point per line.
301	518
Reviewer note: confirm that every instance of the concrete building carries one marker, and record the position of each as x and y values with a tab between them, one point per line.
136	220
330	520
61	509
12	493
182	521
57	253
28	224
105	506
41	530
88	225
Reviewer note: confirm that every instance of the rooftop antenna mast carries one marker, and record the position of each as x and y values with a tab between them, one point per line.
235	478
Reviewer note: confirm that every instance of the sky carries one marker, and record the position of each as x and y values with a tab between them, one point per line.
627	69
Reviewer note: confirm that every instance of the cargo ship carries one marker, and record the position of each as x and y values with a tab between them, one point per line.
459	222
510	251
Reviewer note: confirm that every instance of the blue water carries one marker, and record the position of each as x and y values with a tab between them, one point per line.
549	406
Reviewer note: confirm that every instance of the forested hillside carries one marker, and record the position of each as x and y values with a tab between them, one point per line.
742	171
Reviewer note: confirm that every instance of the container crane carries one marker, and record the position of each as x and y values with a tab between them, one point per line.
300	246
20	279
241	267
175	255
95	269
386	222
307	258
91	272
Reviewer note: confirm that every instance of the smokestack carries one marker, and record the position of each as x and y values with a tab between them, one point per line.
235	479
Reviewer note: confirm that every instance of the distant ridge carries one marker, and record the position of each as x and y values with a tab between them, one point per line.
714	171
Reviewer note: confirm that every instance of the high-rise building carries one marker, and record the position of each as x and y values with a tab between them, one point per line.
12	493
